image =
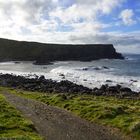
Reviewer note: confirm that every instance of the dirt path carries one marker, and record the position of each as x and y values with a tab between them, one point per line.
56	124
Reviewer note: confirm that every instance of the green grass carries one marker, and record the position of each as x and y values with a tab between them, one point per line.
14	125
119	113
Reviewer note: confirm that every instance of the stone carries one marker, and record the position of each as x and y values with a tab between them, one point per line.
125	89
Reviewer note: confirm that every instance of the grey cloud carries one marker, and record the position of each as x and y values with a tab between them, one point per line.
38	7
127	40
89	38
107	38
122	42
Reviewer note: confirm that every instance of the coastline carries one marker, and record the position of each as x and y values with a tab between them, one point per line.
91	74
43	53
40	84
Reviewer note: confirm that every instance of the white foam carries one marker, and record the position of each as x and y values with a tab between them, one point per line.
94	78
90	78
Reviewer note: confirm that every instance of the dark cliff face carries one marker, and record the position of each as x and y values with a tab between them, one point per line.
43	53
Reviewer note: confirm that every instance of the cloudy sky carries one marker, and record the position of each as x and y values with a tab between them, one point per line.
73	21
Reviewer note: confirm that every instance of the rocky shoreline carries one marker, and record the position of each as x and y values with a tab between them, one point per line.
64	87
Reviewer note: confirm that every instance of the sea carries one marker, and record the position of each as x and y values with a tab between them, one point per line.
90	74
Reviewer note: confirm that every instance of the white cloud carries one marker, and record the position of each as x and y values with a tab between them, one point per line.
43	21
18	17
104	6
83	15
24	12
73	13
127	17
27	12
88	10
41	16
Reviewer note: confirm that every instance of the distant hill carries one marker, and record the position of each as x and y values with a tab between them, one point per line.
11	50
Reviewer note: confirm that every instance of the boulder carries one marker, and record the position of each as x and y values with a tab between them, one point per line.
112	89
97	68
109	81
104	67
104	87
42	77
125	89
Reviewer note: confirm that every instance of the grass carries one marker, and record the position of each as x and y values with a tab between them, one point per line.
14	125
119	113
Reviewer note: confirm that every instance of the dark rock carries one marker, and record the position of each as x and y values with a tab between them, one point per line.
42	77
47	85
95	89
109	81
118	86
98	93
133	81
112	89
85	69
17	62
104	87
104	67
125	89
61	75
97	68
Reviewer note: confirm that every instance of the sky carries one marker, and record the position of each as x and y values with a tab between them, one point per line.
115	22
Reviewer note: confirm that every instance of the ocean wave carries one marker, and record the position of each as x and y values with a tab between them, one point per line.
94	79
90	74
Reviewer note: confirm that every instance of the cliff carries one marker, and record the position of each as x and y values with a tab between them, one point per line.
44	53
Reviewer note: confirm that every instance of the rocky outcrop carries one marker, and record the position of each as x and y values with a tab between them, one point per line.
45	53
45	85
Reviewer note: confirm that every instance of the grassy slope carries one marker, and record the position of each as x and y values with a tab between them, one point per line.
31	51
120	113
14	125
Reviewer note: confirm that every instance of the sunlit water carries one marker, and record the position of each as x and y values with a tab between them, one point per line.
91	74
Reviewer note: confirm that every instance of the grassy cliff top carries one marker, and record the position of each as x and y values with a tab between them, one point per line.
42	52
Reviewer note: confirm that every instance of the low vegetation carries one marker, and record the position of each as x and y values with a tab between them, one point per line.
123	114
14	125
44	53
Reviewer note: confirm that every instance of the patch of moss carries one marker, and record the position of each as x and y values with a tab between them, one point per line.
14	125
